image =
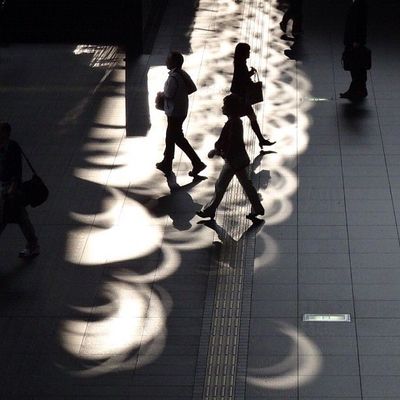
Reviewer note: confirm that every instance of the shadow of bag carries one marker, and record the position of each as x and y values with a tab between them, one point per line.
34	192
356	58
254	92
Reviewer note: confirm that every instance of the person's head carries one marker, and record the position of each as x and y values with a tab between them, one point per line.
5	132
232	105
174	60
242	51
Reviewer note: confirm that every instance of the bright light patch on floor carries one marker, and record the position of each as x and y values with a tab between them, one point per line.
124	231
326	318
289	373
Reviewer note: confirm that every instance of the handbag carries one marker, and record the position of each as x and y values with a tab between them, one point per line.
254	92
34	192
354	58
160	101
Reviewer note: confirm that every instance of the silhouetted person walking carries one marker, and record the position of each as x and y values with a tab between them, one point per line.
231	147
176	91
294	13
10	184
240	82
355	35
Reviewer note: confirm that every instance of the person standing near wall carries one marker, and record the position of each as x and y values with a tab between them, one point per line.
355	36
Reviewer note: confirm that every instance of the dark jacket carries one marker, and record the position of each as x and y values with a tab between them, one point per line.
10	163
230	144
356	24
241	78
295	6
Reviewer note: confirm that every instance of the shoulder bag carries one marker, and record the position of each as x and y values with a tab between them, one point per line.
33	192
254	92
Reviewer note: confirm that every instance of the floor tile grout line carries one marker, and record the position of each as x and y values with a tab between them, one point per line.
384	156
347	223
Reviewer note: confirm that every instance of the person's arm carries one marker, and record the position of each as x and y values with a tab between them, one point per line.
222	144
252	71
170	87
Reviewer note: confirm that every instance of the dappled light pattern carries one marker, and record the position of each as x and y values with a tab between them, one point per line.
133	226
116	329
290	372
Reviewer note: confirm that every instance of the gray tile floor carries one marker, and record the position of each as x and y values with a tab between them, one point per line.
131	298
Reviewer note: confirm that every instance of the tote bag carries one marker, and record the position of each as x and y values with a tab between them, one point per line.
254	92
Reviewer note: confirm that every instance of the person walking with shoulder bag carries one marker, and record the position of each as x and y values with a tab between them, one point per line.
240	83
11	207
174	100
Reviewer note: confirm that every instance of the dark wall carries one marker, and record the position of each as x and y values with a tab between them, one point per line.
87	21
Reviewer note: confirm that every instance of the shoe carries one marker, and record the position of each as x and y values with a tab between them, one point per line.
346	95
265	142
354	95
253	215
197	169
205	214
164	168
30	251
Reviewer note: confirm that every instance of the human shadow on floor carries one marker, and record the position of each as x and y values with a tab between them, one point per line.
354	115
355	110
226	249
263	176
178	204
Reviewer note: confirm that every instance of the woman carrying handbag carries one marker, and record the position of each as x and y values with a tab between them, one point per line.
241	83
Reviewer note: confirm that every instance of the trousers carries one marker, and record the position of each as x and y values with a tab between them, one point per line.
221	185
21	218
174	136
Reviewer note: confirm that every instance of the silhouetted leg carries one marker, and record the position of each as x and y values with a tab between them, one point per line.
256	128
185	146
174	136
359	82
250	191
27	228
174	128
221	185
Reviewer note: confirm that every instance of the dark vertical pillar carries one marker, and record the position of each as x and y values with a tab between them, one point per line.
133	27
133	49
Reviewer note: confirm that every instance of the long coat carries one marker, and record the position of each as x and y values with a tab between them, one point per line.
356	24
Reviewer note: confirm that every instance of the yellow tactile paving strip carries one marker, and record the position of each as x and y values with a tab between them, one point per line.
226	359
